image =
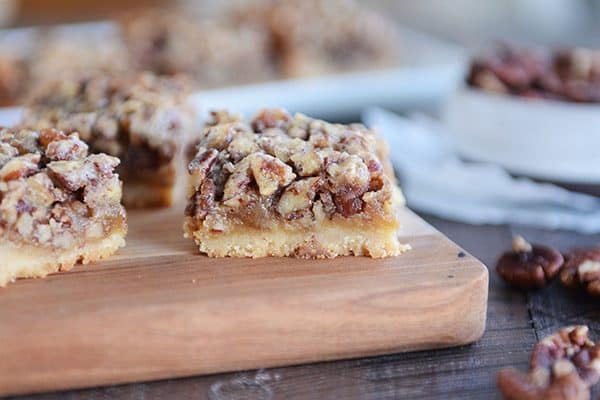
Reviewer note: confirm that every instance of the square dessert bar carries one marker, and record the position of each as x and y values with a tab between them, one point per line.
141	120
283	185
214	51
316	37
58	205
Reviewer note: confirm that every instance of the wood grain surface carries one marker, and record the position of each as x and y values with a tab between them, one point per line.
515	320
159	310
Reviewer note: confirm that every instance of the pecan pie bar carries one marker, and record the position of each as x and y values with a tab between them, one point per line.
141	120
64	55
215	52
283	185
316	37
58	205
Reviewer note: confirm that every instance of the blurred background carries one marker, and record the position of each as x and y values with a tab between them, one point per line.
463	21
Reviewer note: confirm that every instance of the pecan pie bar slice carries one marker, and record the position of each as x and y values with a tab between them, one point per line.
142	120
316	37
215	51
283	185
58	205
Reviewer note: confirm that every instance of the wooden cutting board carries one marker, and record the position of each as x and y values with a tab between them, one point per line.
157	309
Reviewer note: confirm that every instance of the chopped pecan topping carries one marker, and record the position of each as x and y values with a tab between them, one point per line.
529	266
287	167
55	195
562	366
582	269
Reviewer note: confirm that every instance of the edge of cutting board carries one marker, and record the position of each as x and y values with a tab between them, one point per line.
159	310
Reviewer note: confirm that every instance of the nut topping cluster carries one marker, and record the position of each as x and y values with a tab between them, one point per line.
563	366
287	167
529	266
567	75
52	193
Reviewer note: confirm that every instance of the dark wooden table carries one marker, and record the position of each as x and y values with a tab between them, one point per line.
515	321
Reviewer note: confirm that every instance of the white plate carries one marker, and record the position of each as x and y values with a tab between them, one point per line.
431	70
544	139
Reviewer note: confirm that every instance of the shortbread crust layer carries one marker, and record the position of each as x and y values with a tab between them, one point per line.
329	240
26	261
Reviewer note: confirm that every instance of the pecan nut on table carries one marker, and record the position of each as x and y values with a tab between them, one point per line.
529	266
564	365
582	270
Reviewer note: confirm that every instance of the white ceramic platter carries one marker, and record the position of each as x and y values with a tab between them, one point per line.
544	139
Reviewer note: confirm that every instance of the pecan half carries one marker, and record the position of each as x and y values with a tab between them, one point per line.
563	366
582	269
529	266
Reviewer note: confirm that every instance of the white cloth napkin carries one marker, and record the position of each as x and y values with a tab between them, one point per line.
436	181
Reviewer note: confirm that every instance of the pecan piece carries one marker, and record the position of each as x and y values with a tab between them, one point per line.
200	166
67	148
50	135
242	144
68	174
20	167
307	163
562	366
271	118
298	196
203	200
582	269
7	152
237	192
270	173
529	266
76	174
349	176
